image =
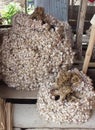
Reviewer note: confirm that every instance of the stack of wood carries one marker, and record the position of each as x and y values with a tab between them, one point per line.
5	115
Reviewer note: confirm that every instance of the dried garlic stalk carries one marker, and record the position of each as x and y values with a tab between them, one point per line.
64	84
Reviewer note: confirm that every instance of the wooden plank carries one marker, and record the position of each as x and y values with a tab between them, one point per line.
73	13
12	93
9	116
73	24
85	40
80	27
74	9
89	49
16	128
58	129
2	115
27	116
5	26
91	64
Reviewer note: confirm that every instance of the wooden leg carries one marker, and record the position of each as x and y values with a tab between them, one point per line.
2	115
8	116
89	50
80	27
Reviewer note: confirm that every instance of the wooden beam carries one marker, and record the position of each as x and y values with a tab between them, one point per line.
27	116
90	46
89	50
2	115
9	118
11	93
58	129
80	27
16	128
26	6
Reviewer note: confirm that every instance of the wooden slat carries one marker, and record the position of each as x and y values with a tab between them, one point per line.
80	27
9	116
73	24
58	129
73	13
91	64
27	116
12	93
16	129
2	115
74	10
5	26
89	49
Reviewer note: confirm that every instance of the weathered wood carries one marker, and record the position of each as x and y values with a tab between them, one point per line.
58	129
73	14
73	24
5	26
74	9
89	50
57	8
9	116
26	116
91	64
2	115
12	93
80	27
16	128
26	6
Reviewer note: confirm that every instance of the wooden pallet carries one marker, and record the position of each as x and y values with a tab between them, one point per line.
11	93
26	117
52	129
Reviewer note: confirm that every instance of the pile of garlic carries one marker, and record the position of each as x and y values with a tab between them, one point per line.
34	50
75	107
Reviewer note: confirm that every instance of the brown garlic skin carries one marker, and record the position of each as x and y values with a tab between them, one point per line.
64	83
38	14
61	92
63	79
75	79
